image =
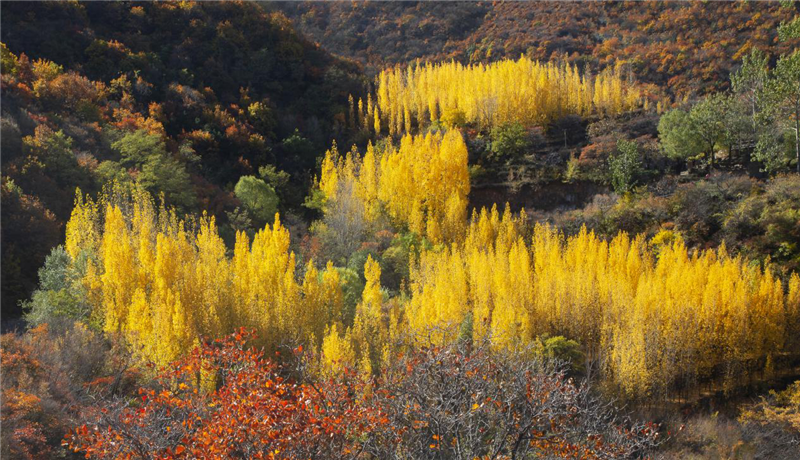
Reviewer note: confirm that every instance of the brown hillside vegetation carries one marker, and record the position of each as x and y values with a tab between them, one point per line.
689	47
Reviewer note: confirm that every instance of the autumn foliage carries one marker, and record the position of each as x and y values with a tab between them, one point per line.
92	99
225	400
680	47
176	321
522	91
49	374
654	314
23	408
422	184
163	282
472	401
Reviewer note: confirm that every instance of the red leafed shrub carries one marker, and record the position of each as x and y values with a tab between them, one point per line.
23	411
226	400
50	373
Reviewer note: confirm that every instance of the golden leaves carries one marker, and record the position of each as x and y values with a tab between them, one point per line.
649	319
524	91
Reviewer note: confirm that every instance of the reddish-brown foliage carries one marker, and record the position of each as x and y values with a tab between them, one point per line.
47	377
23	431
475	402
226	400
683	47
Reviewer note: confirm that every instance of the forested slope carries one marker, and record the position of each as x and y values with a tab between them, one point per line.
212	285
682	47
186	97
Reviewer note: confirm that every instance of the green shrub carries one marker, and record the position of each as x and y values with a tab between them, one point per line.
509	142
258	198
56	297
563	349
624	165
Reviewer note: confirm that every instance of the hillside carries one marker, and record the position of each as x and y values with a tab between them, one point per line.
188	97
385	230
683	48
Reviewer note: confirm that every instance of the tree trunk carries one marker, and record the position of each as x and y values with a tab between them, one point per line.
711	157
797	133
797	144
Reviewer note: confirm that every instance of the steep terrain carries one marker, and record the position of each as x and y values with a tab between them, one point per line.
682	47
186	96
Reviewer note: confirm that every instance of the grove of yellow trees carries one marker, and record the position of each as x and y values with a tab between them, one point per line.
163	283
524	91
654	316
422	184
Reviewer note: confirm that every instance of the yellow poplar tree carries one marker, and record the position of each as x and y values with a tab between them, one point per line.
422	184
521	90
651	321
163	283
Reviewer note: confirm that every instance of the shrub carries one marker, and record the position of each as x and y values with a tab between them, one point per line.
464	401
776	416
766	222
624	165
701	206
563	350
509	142
258	198
226	400
49	375
54	150
58	296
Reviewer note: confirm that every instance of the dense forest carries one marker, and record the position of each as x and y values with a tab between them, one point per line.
400	230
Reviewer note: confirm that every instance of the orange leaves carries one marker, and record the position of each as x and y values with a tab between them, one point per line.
254	410
25	399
